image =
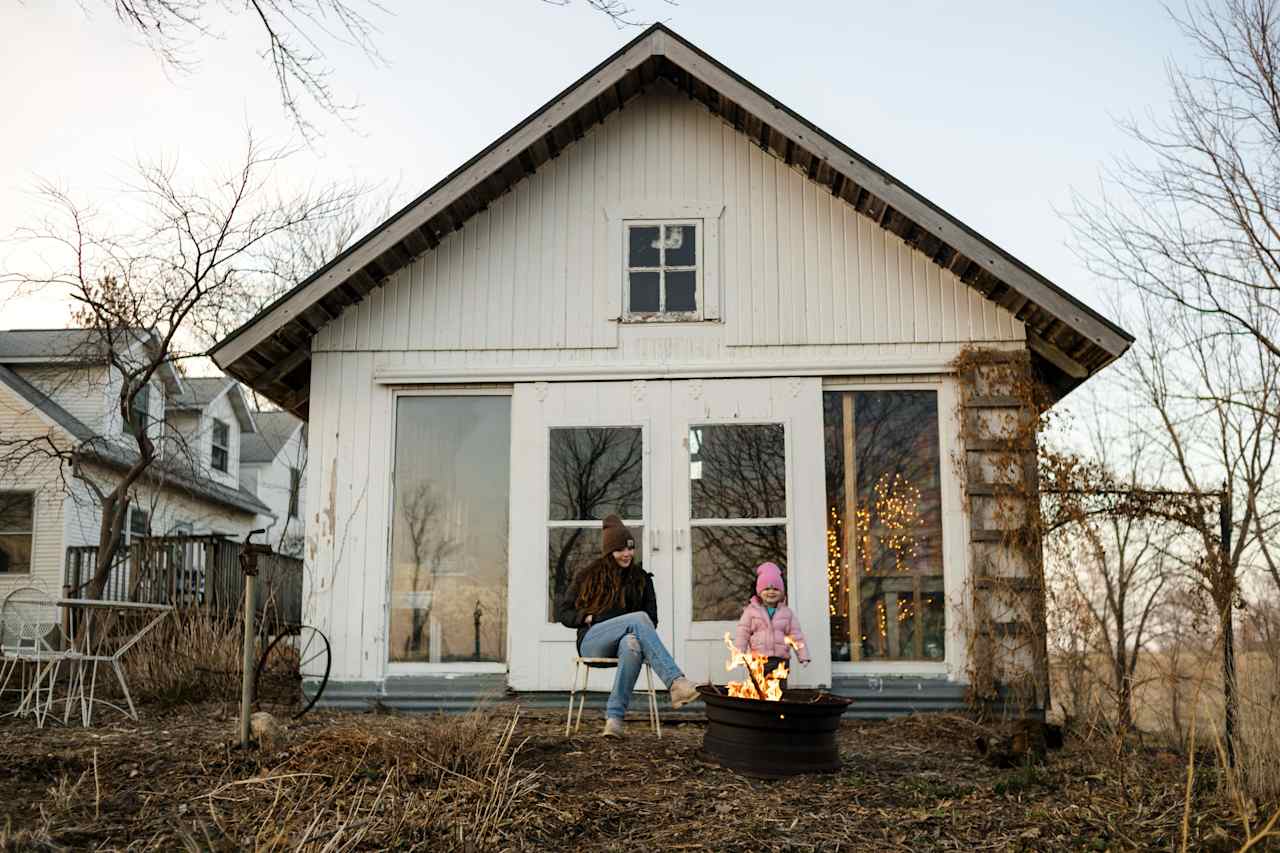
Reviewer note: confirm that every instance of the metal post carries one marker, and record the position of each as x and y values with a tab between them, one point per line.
477	615
246	675
1228	626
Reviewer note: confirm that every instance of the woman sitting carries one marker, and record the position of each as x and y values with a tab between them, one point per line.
612	604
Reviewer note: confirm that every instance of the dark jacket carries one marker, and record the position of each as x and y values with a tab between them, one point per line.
637	595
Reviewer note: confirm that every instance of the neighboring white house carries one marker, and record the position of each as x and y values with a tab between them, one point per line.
273	461
666	295
57	391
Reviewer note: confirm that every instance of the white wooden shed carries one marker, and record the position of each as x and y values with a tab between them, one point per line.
663	294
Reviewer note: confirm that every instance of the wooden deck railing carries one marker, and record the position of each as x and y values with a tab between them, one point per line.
191	571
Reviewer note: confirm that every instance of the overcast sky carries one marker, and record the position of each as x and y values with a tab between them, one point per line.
995	111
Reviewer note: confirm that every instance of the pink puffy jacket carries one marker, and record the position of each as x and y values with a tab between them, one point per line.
765	636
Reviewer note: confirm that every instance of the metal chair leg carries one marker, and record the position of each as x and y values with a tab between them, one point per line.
655	722
573	691
582	698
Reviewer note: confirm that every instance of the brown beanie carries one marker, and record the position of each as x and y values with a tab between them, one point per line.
615	535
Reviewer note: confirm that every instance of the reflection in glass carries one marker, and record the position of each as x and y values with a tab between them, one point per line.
643	246
644	292
449	529
884	546
681	287
680	246
724	563
738	471
570	549
596	471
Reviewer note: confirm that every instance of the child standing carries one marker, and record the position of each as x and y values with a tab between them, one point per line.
767	622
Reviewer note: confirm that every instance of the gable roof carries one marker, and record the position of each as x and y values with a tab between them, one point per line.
96	448
274	431
199	391
271	352
75	347
44	403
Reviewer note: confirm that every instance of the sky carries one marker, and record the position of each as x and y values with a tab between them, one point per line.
996	111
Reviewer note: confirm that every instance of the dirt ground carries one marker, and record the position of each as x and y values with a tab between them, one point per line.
492	780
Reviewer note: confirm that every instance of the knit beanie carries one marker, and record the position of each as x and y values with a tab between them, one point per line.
615	535
769	575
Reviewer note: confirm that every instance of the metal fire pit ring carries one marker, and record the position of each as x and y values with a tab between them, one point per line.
773	740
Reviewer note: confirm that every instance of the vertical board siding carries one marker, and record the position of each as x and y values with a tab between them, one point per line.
799	266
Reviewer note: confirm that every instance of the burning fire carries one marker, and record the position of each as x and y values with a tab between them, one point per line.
771	684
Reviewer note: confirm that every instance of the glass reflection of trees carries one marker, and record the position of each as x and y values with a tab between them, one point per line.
594	471
886	551
450	514
736	471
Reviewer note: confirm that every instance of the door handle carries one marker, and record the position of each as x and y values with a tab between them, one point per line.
679	540
655	541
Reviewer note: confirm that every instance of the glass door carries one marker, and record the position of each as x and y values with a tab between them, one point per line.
582	451
733	505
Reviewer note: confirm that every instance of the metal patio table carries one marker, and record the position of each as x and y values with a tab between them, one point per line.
91	646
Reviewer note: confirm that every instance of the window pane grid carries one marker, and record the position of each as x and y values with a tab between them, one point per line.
651	281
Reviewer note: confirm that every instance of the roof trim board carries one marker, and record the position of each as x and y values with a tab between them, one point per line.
274	345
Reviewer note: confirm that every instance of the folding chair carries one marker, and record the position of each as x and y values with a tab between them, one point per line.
585	665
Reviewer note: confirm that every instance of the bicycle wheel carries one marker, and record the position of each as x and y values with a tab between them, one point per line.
293	661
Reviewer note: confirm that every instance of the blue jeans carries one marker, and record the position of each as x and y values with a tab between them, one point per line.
632	639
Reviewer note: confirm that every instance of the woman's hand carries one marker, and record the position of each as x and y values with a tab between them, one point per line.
588	619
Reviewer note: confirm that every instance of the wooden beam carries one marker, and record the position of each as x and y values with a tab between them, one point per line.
281	368
1056	357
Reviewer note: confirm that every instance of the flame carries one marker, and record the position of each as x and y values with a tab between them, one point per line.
755	664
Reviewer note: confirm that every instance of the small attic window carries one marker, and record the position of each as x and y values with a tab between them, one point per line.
663	270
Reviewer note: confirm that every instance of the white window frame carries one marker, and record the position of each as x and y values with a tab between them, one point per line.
955	540
395	669
657	211
662	314
214	445
140	405
31	495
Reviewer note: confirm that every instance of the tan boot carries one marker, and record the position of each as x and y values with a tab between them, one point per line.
682	692
612	727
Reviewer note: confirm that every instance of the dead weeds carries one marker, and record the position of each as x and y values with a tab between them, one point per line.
499	780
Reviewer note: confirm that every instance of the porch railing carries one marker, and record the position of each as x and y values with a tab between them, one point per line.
191	571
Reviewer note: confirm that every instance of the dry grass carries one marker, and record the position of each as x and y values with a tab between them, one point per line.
498	781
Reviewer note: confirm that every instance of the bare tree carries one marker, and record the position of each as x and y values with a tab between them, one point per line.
293	35
429	547
139	294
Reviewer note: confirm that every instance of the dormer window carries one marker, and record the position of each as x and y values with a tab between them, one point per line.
663	270
221	445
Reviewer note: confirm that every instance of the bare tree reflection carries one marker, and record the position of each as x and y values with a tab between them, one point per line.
736	472
429	547
896	525
594	471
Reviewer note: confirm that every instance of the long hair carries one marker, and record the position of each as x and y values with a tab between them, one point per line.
603	585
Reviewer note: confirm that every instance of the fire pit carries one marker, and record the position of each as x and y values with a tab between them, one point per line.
773	739
759	729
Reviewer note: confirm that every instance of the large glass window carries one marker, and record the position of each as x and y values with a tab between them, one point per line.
595	471
738	512
449	529
17	526
884	525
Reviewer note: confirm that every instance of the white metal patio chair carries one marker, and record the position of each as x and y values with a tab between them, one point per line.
32	644
585	665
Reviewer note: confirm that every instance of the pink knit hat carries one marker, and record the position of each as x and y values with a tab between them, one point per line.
769	575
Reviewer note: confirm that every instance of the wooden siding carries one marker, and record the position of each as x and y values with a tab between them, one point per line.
798	266
349	489
40	478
